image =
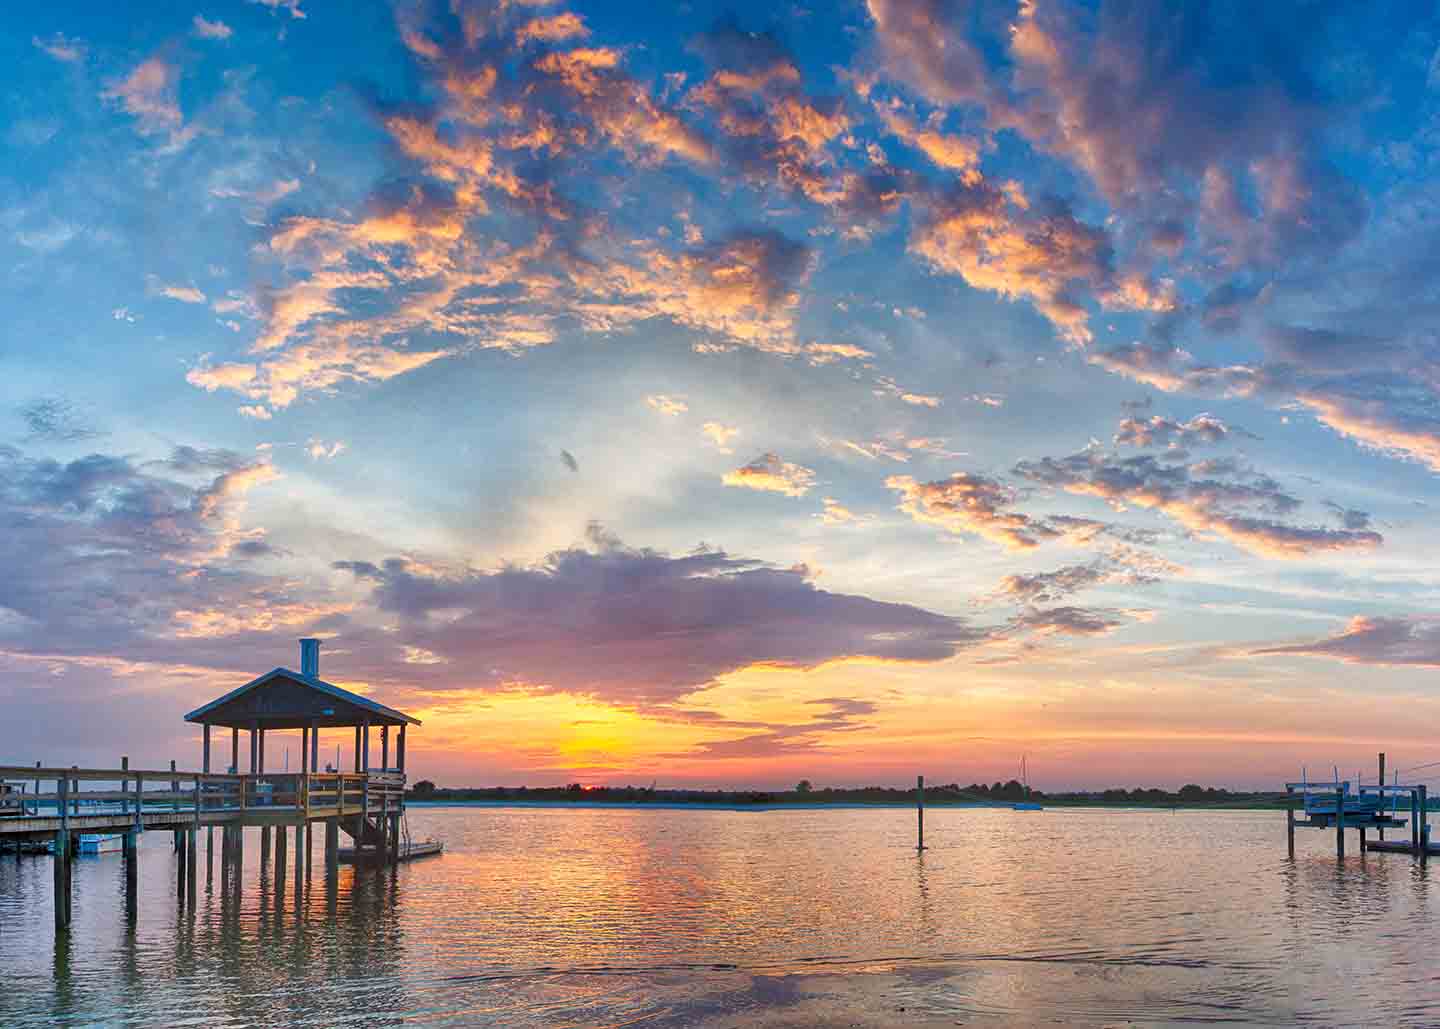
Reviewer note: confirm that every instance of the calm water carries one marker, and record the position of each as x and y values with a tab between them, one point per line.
624	917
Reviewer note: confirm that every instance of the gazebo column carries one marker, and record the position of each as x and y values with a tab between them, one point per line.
314	747
384	748
304	746
205	750
400	751
357	748
234	750
254	748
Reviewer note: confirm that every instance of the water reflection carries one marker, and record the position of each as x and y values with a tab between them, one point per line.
609	917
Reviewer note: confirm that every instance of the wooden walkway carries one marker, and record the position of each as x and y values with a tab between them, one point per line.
59	804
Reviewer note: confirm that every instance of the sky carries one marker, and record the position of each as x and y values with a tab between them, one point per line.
729	394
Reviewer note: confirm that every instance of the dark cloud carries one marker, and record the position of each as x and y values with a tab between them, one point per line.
1121	565
568	460
642	626
1068	621
1400	640
56	420
1216	498
1160	431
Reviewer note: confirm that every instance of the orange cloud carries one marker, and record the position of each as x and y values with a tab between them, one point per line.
767	472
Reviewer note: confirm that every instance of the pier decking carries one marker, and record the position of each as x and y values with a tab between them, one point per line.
58	804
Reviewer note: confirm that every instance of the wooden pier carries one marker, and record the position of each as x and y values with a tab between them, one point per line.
368	804
1364	807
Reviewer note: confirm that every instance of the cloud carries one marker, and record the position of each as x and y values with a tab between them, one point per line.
1159	431
1214	498
887	387
669	406
565	25
150	95
61	47
1120	565
206	29
292	6
967	504
1402	640
1068	621
836	513
56	420
568	460
319	450
185	294
641	626
720	435
767	472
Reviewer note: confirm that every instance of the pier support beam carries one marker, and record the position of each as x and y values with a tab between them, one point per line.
132	873
1340	824
265	847
62	881
919	812
1290	827
280	838
332	846
301	848
191	886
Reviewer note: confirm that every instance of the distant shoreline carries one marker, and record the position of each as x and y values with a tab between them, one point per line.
700	805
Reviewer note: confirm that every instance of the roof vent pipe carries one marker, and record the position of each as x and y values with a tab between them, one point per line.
310	658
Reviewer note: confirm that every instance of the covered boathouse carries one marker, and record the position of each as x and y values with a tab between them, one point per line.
368	804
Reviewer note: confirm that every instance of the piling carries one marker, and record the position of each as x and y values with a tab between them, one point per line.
1340	822
62	878
1424	805
1290	824
301	846
265	848
332	846
919	812
191	838
1381	781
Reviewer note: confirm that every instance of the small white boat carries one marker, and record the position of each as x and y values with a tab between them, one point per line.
101	843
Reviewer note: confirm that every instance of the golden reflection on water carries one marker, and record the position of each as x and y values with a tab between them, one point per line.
722	918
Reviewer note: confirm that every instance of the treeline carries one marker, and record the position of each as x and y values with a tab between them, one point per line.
1190	795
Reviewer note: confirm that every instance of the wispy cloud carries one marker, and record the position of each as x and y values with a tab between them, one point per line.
770	474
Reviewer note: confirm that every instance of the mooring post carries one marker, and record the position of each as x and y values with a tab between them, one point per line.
919	812
124	787
1414	821
1424	824
132	873
1290	820
264	848
62	877
280	835
1340	820
175	803
1381	781
180	866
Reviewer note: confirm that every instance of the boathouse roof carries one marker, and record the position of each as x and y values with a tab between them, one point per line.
285	699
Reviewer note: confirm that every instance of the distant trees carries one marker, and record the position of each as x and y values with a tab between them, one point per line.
424	788
803	786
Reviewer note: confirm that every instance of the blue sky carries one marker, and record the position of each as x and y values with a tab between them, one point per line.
732	393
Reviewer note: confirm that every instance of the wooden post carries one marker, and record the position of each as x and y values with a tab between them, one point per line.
261	766
139	802
400	751
254	748
920	812
205	750
132	873
1424	824
304	747
314	747
1290	821
357	751
302	845
175	806
1381	781
365	747
62	877
332	846
234	751
1340	822
264	848
124	787
384	747
192	835
180	866
280	837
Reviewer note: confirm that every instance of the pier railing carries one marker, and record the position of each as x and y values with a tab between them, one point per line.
65	793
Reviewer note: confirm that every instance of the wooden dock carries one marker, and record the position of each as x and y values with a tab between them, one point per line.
56	804
1364	807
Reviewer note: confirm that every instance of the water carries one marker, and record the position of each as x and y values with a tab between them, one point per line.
633	917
